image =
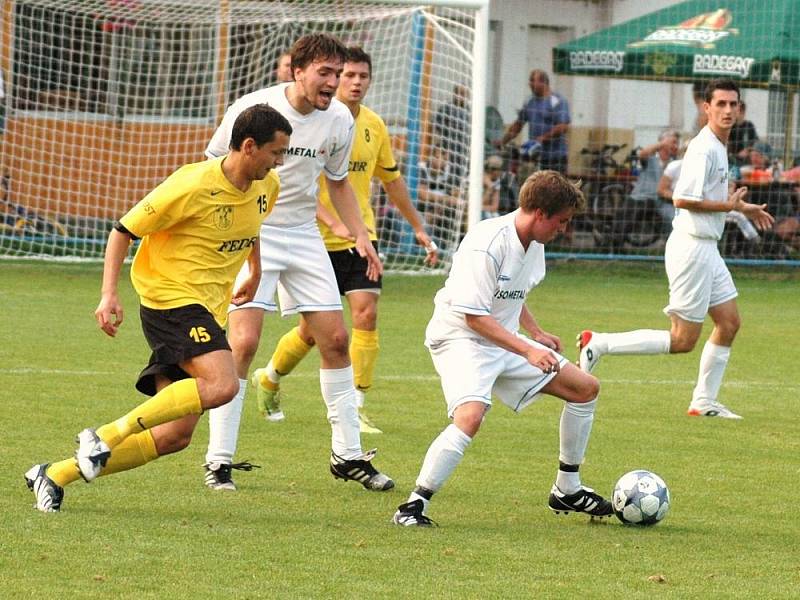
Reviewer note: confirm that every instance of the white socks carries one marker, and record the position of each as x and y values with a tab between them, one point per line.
713	362
442	458
640	341
574	430
360	398
223	424
272	374
338	391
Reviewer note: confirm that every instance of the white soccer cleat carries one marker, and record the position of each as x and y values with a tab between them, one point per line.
711	408
49	496
588	354
365	424
92	454
268	399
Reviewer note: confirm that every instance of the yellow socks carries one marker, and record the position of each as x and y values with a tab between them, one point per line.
177	400
363	354
135	451
64	472
291	349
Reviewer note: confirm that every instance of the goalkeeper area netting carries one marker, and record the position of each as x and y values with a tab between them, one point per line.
105	98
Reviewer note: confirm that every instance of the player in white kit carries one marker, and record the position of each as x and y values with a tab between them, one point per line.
294	259
478	352
699	280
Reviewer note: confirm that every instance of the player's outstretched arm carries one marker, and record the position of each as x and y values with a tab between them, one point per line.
247	290
397	190
110	305
344	201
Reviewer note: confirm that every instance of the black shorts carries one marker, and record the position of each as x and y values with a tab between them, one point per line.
351	271
175	335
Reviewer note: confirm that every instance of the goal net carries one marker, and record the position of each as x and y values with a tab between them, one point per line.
102	99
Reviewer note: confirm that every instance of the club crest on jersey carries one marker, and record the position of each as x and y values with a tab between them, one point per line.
223	217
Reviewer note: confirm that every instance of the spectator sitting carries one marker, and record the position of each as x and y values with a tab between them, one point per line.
451	128
654	159
500	188
490	206
438	193
743	136
758	169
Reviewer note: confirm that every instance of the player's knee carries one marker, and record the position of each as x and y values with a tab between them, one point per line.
244	345
365	318
590	389
469	417
335	343
683	339
175	441
217	392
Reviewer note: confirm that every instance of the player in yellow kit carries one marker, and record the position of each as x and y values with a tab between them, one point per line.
370	157
197	228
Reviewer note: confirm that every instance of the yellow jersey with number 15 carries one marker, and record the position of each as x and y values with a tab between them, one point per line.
197	230
371	156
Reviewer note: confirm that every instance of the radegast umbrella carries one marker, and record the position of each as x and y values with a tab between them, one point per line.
754	42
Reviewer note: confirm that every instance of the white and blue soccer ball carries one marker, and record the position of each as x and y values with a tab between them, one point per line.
640	498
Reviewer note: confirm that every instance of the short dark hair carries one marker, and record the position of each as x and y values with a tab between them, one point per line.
550	192
356	54
721	84
259	122
316	46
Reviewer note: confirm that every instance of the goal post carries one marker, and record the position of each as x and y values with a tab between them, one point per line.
103	99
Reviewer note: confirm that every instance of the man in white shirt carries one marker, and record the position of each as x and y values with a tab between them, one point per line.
699	280
294	260
476	347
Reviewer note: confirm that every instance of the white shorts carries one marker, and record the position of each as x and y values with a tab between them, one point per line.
474	370
294	263
698	277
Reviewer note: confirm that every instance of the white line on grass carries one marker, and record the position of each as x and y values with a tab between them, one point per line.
410	377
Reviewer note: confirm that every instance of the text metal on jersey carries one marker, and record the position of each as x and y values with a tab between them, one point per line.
302	152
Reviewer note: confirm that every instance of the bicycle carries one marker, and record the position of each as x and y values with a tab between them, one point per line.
613	218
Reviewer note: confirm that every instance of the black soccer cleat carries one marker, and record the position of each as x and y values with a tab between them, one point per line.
585	500
410	515
362	471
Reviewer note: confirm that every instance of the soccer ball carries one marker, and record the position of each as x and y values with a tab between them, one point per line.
640	498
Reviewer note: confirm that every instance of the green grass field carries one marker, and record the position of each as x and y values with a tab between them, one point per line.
292	531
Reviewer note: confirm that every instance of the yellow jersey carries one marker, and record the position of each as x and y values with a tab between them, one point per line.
197	230
371	156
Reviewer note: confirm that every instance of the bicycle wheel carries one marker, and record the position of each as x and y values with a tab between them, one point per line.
643	224
606	225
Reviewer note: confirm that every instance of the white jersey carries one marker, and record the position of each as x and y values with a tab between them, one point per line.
320	142
673	172
491	275
704	176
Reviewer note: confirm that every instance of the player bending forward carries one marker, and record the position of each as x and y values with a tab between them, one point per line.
476	347
197	229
